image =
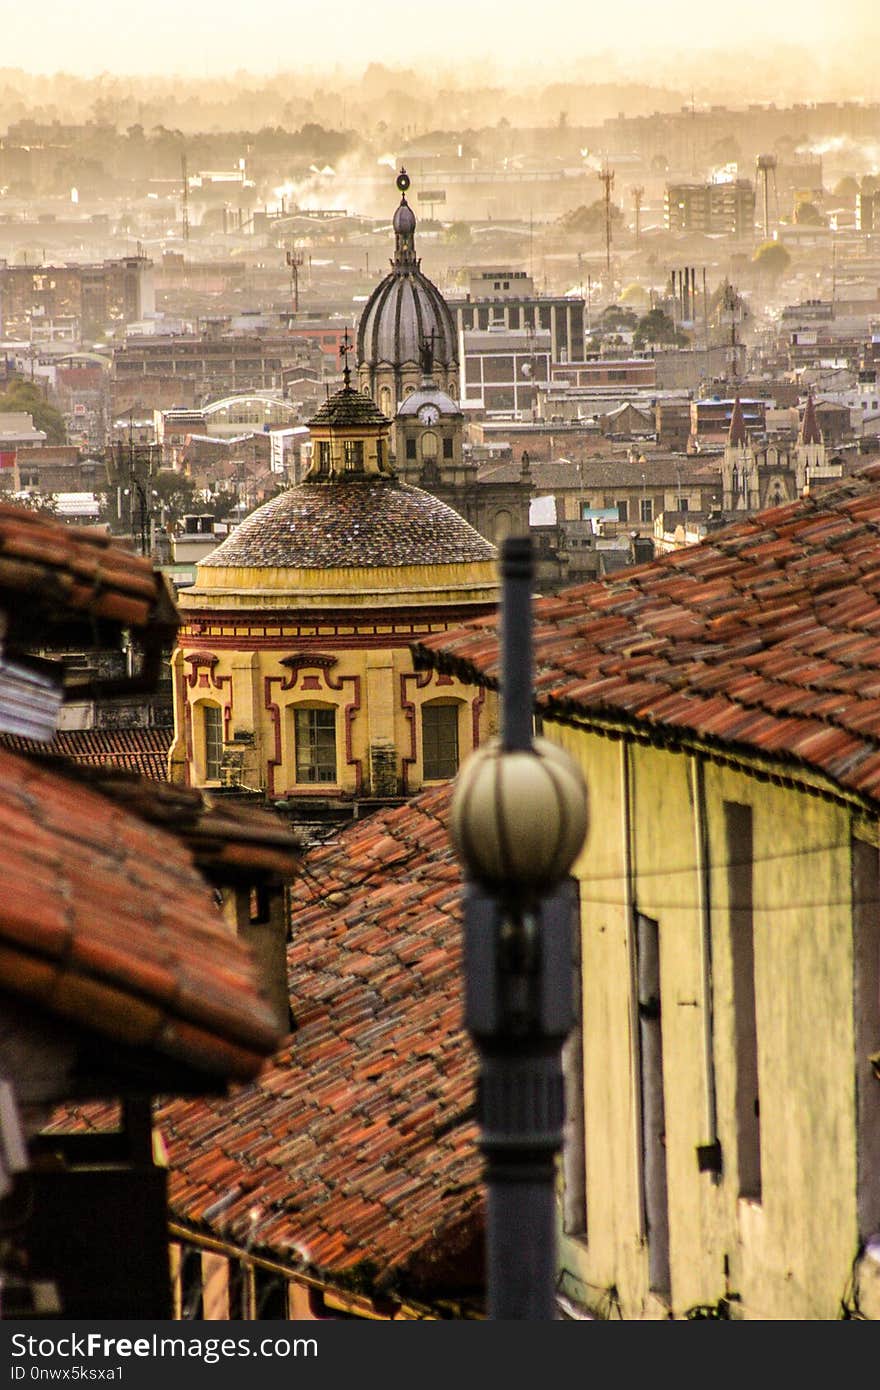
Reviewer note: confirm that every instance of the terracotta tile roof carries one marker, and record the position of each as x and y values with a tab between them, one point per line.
106	921
766	635
60	585
144	751
355	1151
61	570
348	524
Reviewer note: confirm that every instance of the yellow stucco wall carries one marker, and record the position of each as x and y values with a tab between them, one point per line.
377	696
788	1255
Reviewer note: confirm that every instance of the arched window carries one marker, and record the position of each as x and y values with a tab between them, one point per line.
385	401
440	752
429	445
314	742
502	525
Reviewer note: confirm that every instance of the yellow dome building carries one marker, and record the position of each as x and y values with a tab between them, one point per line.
293	674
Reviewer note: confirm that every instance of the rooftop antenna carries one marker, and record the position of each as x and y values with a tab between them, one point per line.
766	165
606	176
295	260
185	188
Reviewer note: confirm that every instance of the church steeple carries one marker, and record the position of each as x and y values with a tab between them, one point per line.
739	473
810	432
737	434
810	448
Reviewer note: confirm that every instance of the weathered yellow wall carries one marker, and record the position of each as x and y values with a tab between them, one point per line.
375	691
788	1256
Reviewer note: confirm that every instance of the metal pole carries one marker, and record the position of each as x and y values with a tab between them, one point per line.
516	643
519	1010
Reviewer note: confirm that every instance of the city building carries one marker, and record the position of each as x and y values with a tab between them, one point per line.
429	453
359	1192
721	702
726	207
503	370
506	299
154	373
95	297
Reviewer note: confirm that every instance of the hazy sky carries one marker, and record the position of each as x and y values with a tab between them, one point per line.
215	37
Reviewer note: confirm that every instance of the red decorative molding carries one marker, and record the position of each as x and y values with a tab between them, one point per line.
476	709
298	660
297	664
422	679
202	666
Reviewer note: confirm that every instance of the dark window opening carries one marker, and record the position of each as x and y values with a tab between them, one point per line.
191	1286
270	1296
439	742
739	853
653	1112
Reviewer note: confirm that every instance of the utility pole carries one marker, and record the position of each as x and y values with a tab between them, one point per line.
637	196
606	176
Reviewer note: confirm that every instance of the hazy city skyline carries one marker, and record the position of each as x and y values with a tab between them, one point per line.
485	43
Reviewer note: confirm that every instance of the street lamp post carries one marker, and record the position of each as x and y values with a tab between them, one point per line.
519	818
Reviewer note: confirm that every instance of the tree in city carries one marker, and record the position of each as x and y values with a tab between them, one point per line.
175	496
656	328
771	259
808	215
589	218
26	398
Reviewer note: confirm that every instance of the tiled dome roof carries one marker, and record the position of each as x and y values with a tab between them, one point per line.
349	407
351	525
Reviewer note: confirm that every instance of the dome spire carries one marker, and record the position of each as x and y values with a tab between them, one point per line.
404	224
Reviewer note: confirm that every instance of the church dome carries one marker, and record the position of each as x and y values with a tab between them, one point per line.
374	523
405	309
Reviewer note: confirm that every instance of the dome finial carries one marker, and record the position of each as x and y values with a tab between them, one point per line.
345	347
404	224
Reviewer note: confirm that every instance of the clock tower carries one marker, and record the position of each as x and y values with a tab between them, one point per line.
428	430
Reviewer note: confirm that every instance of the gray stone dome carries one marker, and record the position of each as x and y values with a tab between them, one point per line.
406	309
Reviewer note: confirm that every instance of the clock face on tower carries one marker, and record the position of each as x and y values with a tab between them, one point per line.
429	414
